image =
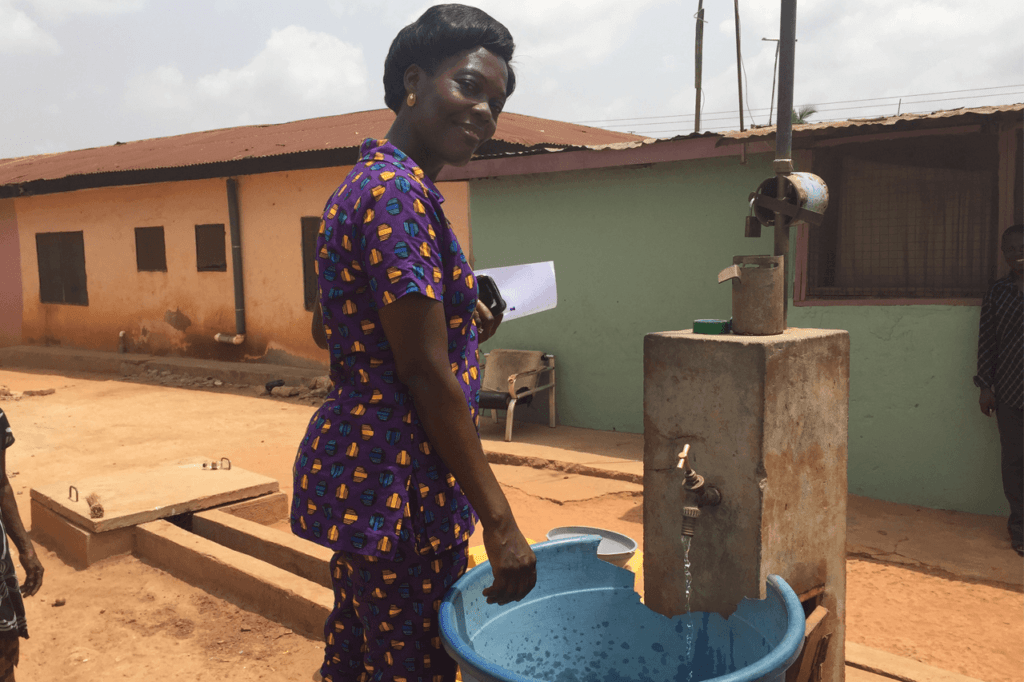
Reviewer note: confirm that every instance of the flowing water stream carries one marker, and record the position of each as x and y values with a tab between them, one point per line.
687	540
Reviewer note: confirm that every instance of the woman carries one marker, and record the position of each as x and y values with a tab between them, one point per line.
391	474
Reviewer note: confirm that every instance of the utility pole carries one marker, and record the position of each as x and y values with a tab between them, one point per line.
775	70
739	63
699	56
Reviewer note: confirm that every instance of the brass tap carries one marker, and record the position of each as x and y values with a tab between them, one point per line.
690	516
707	495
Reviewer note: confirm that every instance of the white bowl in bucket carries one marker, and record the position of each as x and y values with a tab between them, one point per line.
615	548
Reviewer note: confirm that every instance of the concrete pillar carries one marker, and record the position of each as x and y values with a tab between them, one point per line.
766	419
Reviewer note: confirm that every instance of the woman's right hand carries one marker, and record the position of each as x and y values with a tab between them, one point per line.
513	564
987	401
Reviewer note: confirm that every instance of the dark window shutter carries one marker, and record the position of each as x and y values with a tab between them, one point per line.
210	250
310	230
150	252
61	258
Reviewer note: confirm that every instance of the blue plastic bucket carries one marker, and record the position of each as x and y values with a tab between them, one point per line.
584	623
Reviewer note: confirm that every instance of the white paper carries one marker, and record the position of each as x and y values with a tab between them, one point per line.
527	289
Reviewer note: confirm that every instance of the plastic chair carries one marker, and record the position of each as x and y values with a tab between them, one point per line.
511	377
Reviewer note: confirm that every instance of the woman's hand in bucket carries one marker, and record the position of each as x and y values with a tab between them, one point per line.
513	564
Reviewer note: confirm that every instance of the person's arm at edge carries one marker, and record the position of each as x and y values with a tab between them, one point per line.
415	328
988	350
17	533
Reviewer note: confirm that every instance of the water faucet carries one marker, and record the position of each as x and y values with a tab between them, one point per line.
707	495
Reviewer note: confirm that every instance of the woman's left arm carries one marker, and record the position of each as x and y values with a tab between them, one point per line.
17	533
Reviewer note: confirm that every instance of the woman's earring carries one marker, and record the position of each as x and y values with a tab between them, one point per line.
410	101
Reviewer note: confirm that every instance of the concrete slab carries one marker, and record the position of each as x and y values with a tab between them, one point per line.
273	592
278	548
895	667
765	419
133	496
858	675
964	546
601	454
266	510
77	547
560	487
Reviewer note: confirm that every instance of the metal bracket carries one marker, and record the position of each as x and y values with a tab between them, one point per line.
70	488
787	209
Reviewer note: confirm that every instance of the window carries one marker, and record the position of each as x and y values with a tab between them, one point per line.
210	254
310	230
62	268
911	218
150	255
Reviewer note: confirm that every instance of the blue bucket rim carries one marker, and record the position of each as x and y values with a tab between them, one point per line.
781	657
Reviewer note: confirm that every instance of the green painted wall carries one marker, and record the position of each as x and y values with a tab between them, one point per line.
916	433
638	250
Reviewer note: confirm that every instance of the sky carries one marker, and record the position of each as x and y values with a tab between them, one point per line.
89	73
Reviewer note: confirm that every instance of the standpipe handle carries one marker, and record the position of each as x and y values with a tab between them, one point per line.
684	456
731	272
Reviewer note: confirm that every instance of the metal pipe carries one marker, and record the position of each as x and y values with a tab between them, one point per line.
236	267
787	58
784	138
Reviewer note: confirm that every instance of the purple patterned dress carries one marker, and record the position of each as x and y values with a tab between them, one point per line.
366	479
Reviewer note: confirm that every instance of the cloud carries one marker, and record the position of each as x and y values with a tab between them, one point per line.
571	34
19	34
298	74
62	9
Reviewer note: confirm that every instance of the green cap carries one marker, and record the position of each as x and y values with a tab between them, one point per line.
711	326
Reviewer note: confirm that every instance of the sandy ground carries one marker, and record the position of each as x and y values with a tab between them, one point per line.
124	620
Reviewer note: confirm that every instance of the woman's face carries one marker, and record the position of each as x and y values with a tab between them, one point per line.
457	107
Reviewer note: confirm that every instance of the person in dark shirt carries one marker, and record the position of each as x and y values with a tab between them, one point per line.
12	608
1001	374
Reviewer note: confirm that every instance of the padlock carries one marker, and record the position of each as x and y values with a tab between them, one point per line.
753	225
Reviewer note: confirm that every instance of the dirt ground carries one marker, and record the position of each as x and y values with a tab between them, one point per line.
124	620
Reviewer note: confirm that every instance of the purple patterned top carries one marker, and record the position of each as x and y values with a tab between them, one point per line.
366	478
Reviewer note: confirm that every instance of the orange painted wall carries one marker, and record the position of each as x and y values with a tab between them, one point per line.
10	276
178	312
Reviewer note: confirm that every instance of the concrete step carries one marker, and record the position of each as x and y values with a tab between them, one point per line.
132	364
275	593
890	666
283	550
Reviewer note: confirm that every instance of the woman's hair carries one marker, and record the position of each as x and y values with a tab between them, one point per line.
442	32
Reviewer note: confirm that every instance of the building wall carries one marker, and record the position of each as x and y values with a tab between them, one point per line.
162	312
179	311
10	276
638	250
917	435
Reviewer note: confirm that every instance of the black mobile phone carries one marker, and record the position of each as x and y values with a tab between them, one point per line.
490	295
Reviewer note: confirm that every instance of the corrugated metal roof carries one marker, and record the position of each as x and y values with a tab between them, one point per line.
516	133
861	125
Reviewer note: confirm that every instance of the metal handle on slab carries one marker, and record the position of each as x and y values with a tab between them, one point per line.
70	488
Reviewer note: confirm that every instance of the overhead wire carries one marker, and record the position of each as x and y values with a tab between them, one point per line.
731	115
824	104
